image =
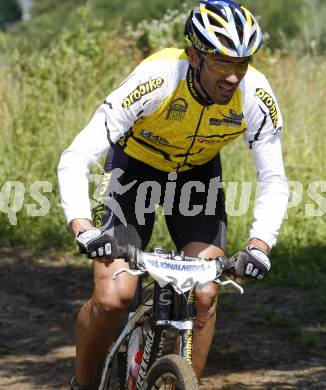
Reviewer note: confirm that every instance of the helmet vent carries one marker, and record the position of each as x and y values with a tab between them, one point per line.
217	11
214	22
226	41
200	19
252	40
238	26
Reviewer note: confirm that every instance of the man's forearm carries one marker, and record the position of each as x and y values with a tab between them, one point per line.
259	244
76	225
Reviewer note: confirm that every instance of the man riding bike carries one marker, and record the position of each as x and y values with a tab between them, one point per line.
162	130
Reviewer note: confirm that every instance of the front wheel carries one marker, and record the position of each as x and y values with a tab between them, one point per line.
171	372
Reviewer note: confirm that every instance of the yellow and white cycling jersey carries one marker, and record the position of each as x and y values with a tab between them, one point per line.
175	132
157	117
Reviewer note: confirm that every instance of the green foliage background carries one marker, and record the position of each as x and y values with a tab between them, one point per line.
54	74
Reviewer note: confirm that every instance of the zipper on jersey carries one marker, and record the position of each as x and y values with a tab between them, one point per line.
195	135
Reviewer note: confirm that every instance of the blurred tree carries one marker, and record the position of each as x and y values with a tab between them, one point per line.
52	16
135	11
10	12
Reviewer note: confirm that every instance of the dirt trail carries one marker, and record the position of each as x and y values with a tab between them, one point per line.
269	338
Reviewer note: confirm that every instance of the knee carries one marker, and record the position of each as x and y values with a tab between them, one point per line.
111	301
206	302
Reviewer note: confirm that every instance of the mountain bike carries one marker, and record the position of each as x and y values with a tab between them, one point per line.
168	302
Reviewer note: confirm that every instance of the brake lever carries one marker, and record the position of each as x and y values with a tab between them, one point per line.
232	282
133	273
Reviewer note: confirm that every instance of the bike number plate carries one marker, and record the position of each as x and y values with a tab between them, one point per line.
182	274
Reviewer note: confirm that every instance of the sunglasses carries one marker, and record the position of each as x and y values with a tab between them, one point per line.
227	67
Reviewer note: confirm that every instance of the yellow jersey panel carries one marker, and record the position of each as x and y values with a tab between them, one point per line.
182	133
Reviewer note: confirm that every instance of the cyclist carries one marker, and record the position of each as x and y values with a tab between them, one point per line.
162	130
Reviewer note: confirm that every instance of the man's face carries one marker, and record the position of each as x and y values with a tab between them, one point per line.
221	76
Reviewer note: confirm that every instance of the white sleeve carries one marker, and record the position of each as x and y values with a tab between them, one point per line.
263	136
86	149
136	96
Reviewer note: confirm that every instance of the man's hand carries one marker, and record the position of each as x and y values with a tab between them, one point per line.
95	243
251	262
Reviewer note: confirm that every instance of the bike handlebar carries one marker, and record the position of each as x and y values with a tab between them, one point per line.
136	260
135	257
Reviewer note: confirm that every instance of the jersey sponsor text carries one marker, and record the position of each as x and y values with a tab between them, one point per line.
269	103
141	90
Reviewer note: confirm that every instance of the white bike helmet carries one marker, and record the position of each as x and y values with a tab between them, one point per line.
223	27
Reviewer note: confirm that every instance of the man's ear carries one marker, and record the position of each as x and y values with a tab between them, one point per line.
193	57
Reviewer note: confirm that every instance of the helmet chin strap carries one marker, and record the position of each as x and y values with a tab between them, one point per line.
198	70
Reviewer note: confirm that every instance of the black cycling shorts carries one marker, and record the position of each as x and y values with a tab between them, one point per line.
193	203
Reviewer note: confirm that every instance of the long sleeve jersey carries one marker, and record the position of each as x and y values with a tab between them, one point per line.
157	116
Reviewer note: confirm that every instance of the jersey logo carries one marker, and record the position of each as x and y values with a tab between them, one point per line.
155	138
204	140
141	90
177	110
234	120
269	102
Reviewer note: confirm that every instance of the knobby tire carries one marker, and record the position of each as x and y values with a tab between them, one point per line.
171	370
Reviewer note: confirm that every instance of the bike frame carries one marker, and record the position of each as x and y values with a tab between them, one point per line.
169	310
131	324
179	312
165	309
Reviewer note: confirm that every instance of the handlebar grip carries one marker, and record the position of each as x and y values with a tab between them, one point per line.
227	264
129	253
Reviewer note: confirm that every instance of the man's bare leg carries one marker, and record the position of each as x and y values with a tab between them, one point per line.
204	327
206	302
98	319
